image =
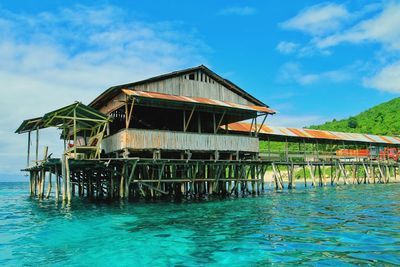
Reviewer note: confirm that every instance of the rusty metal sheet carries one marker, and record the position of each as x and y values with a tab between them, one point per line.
300	132
392	139
385	139
321	134
316	134
195	100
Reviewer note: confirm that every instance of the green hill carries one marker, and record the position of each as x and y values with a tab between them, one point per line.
383	119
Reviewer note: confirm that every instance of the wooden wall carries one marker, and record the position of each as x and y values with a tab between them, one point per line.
196	84
205	87
137	139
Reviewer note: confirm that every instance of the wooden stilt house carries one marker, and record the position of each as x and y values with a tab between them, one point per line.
179	115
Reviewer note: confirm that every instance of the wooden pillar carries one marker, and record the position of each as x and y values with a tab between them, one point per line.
49	185
122	182
64	177
57	183
286	150
198	122
112	184
29	149
68	180
43	173
305	175
35	182
31	183
37	146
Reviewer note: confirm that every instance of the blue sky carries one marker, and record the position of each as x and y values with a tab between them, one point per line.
311	61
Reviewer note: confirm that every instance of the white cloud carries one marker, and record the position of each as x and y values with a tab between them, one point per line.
48	60
294	121
318	19
240	11
382	28
387	79
286	47
293	72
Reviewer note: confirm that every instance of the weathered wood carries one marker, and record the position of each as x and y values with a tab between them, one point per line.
29	149
49	185
137	139
68	179
122	186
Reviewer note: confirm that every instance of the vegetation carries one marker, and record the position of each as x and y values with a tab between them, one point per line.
383	119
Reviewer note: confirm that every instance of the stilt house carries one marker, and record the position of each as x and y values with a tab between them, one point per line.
180	115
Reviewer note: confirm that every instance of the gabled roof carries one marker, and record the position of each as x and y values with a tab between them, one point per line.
113	91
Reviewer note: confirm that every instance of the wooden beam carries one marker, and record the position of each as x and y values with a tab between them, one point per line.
261	125
189	119
130	111
219	122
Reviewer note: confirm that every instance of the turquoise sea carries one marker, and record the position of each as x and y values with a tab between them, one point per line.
332	226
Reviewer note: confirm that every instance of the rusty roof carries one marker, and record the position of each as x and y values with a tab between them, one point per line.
114	90
309	134
195	100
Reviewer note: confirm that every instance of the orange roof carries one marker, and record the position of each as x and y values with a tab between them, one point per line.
195	100
315	134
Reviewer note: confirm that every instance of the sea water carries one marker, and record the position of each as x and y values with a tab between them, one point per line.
330	226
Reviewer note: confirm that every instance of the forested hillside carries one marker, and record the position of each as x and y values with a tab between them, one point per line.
383	119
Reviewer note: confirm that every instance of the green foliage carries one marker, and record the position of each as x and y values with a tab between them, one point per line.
383	119
352	123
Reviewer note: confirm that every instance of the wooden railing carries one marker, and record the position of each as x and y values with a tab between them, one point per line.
138	139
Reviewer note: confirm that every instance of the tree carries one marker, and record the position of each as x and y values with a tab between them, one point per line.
352	123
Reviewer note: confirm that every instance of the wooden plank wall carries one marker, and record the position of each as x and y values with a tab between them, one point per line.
138	139
206	88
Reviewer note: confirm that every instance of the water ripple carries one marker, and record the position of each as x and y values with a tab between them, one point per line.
333	226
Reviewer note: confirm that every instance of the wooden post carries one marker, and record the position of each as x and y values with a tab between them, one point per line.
35	182
64	177
68	174
31	183
311	173
184	120
37	146
305	176
49	186
198	122
122	182
43	174
57	183
29	149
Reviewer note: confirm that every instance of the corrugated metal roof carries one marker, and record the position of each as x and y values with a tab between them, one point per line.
315	134
195	100
113	91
